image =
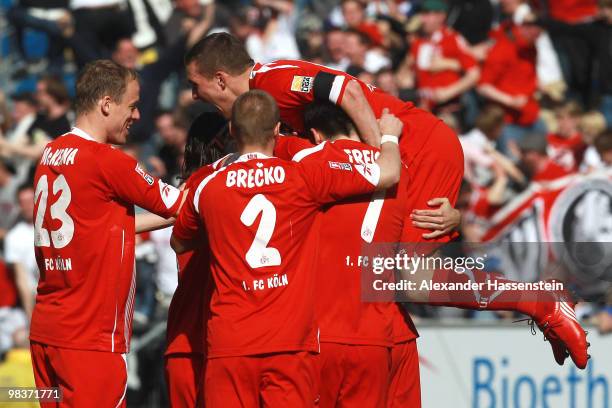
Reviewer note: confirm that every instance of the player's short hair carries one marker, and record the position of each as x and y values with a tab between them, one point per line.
254	117
327	118
98	79
219	52
206	141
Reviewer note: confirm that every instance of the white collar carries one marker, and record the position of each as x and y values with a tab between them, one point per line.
251	156
81	133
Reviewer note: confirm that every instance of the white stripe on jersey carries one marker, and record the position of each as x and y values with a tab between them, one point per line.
299	156
334	94
203	183
114	328
129	306
124	356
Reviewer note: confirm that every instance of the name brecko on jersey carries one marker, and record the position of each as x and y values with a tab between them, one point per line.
251	178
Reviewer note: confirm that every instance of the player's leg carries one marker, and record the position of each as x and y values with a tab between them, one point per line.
44	376
89	378
366	377
232	382
183	374
289	380
405	384
331	373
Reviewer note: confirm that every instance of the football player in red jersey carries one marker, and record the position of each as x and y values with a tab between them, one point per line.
186	341
84	242
258	214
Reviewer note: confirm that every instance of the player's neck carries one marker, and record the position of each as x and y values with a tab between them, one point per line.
344	137
266	150
87	125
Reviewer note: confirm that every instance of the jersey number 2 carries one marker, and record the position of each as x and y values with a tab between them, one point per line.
260	254
64	234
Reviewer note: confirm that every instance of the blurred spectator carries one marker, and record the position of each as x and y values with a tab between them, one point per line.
166	272
548	68
19	252
444	67
509	79
578	51
101	23
173	132
335	47
275	37
354	17
9	211
53	107
472	18
5	116
534	156
126	54
12	318
360	55
24	115
566	146
585	43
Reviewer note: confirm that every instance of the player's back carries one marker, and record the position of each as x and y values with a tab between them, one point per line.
84	243
345	229
258	215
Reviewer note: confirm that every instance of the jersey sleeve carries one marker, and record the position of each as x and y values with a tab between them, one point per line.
128	182
460	46
294	84
287	146
187	225
330	181
493	66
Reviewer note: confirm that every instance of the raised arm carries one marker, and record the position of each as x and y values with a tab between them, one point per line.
355	104
389	161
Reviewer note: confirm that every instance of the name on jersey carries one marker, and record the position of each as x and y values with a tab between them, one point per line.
272	282
359	156
255	177
302	83
58	264
59	157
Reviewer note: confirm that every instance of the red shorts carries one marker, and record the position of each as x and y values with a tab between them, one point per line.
353	376
405	385
183	378
268	380
435	171
86	378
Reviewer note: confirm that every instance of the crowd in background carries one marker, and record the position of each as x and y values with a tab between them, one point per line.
527	85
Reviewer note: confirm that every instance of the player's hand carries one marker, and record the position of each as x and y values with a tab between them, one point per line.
518	101
389	124
440	221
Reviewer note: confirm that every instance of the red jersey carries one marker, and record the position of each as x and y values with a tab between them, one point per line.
258	213
345	228
443	43
567	152
295	84
189	308
84	241
511	68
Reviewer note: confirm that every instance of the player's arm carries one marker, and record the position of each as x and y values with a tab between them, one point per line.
146	222
346	92
389	161
188	225
355	104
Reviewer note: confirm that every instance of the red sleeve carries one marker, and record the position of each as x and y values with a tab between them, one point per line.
128	182
331	181
189	223
292	83
287	146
